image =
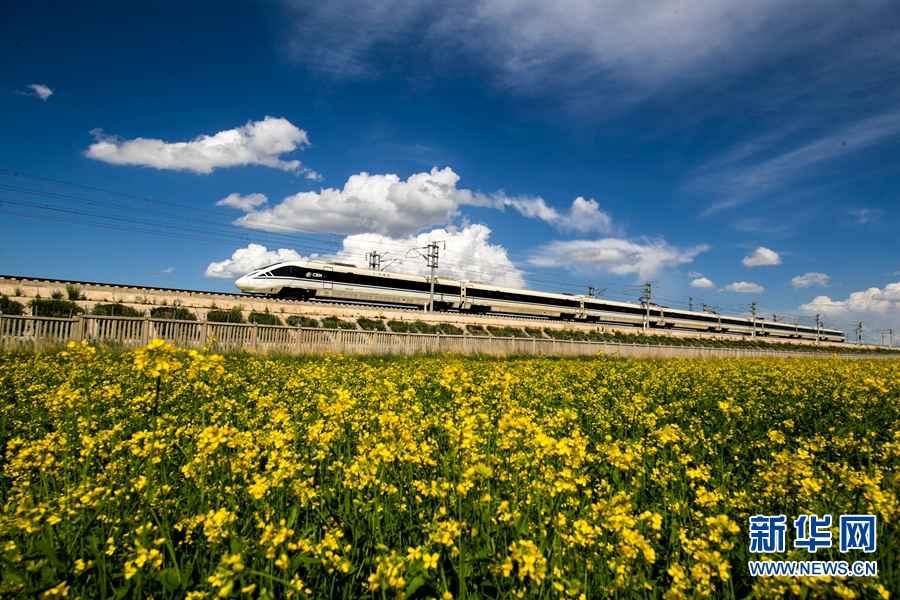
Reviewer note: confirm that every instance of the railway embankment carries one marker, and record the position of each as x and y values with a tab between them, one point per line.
199	305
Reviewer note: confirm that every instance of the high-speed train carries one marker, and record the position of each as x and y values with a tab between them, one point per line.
303	280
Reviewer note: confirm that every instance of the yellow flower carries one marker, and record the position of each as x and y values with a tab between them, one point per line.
130	569
156	357
60	590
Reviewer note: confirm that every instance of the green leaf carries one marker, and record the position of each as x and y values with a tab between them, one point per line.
48	551
122	592
310	560
170	578
236	545
413	585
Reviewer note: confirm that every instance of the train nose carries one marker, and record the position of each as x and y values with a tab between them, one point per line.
243	284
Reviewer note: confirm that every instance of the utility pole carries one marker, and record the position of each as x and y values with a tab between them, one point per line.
431	259
818	322
882	338
647	288
859	330
753	312
591	291
691	303
374	259
891	337
752	309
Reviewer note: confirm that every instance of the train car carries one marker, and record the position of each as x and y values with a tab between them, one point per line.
792	330
304	280
706	321
483	298
713	322
609	311
597	310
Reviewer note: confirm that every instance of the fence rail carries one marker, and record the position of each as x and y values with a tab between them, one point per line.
24	332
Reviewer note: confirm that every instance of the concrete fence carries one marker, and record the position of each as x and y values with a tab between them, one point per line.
21	332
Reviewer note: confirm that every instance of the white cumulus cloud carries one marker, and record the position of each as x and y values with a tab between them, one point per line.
256	143
468	255
810	279
41	91
877	308
890	293
583	216
761	257
744	287
387	205
703	284
248	259
642	256
246	203
382	204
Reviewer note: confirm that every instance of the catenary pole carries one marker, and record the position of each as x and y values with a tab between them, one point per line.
432	258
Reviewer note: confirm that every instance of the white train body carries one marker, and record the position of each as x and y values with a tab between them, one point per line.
335	281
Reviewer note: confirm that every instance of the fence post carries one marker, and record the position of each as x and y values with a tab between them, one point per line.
204	334
145	331
77	333
255	342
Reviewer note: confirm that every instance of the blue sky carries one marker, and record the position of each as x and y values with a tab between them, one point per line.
729	151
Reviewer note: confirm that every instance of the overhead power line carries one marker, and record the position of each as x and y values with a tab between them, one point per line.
53	200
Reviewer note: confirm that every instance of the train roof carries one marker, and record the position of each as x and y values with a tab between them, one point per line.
511	290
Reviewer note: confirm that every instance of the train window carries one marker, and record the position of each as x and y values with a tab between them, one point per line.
283	272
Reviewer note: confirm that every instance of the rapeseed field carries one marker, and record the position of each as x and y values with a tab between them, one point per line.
164	473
